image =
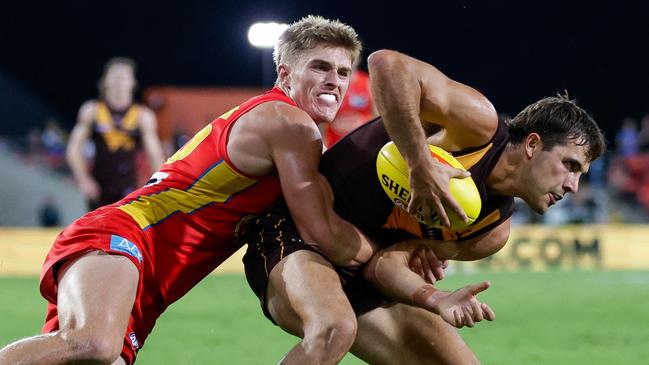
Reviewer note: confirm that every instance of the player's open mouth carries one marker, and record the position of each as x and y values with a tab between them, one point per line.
328	98
554	198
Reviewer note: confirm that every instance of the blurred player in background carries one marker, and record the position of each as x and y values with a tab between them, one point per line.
118	127
356	109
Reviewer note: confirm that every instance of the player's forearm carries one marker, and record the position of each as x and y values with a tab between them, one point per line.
339	241
390	273
155	154
77	162
342	243
397	93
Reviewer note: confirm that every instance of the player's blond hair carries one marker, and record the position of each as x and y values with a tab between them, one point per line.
311	32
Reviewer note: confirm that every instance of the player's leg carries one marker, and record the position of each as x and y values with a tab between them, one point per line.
95	297
403	334
306	299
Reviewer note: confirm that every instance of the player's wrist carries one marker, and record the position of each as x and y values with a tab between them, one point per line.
428	297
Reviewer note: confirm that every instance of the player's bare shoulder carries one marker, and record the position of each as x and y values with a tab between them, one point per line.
87	113
277	121
262	129
88	109
146	117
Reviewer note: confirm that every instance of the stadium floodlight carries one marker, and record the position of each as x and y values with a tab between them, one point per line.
265	35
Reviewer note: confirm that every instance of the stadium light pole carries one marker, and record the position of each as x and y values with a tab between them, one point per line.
264	36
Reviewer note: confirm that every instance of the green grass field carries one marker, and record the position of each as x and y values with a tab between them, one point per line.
569	318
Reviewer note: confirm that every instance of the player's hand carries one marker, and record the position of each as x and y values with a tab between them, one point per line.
461	308
430	192
425	263
90	188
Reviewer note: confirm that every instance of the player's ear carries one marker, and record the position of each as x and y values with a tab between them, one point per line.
284	76
533	143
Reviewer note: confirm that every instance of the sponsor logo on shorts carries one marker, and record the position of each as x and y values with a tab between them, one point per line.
134	340
118	243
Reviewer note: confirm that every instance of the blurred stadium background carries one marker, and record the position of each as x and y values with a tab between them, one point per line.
570	287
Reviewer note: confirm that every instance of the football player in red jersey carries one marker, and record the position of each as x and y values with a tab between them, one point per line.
112	272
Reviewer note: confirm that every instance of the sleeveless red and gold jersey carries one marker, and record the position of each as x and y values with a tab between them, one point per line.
194	202
176	229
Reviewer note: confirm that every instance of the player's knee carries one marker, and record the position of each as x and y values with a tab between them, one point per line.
332	336
92	348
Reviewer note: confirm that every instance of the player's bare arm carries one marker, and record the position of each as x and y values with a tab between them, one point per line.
389	270
75	154
472	249
151	142
286	139
408	92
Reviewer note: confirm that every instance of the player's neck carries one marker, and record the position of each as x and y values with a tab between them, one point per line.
118	103
504	177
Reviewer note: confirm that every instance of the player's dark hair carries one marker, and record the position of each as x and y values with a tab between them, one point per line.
558	120
115	61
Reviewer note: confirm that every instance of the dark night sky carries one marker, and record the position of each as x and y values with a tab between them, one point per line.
513	51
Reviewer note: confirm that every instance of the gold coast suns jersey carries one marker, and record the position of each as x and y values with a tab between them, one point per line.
350	167
188	211
200	186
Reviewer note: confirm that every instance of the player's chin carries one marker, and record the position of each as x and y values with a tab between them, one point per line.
325	114
540	207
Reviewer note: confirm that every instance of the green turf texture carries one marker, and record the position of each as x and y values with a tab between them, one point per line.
557	317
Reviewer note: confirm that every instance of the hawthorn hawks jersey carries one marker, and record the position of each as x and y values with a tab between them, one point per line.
350	167
117	139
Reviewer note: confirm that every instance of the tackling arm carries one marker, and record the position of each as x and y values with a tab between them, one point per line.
296	148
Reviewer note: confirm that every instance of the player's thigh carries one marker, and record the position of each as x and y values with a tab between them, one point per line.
304	289
96	292
403	334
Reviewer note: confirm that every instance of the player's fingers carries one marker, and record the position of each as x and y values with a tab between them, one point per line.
457	315
414	206
460	173
441	214
455	206
437	266
426	266
474	289
476	308
468	318
417	268
487	312
426	213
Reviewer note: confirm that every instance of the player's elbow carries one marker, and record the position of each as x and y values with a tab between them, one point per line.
382	61
320	234
379	271
500	239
